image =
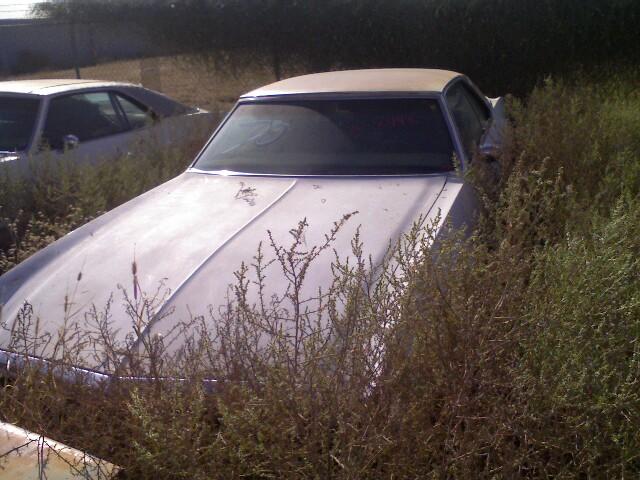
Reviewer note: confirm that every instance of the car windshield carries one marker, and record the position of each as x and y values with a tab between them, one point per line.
379	136
17	121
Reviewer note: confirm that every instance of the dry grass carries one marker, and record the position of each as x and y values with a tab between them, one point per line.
181	77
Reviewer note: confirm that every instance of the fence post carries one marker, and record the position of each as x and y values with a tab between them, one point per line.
74	44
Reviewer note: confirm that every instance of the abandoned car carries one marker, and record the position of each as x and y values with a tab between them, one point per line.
88	120
389	144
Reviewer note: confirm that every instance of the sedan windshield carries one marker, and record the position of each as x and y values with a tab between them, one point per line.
17	121
332	137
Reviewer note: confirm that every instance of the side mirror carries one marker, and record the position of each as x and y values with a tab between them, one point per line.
69	142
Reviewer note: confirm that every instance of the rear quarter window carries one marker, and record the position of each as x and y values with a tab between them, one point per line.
162	105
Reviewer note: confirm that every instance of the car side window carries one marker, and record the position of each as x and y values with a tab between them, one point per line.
138	115
470	114
86	115
161	105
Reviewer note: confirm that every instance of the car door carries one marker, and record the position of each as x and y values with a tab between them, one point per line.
89	126
471	115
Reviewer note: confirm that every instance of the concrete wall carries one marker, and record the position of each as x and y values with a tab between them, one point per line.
31	45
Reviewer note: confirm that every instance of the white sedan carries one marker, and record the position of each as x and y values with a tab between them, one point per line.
378	142
89	120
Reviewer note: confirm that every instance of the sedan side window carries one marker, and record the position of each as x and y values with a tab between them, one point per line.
470	115
86	115
138	115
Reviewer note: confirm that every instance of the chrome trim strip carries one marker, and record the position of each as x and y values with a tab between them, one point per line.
230	173
11	363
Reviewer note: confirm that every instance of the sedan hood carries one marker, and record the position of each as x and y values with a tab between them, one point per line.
179	244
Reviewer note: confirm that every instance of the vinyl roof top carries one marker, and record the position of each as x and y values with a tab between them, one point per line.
50	86
374	80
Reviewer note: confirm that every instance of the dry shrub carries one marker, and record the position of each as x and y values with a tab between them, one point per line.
582	359
513	353
393	363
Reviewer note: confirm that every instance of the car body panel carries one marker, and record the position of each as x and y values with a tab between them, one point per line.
25	455
47	86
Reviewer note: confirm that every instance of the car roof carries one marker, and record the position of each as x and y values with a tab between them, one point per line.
356	81
53	86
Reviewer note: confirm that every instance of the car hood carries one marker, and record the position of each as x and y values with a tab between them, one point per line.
178	245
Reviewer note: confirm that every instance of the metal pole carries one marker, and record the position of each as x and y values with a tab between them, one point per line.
74	44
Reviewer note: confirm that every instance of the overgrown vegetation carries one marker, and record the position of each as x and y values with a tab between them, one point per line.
514	353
